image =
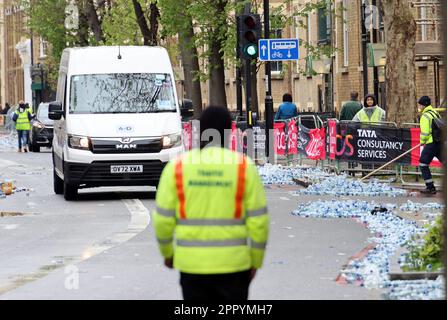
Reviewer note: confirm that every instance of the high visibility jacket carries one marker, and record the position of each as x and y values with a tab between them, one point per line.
23	120
377	115
213	203
426	124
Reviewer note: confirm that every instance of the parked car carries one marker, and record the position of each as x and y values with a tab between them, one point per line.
41	134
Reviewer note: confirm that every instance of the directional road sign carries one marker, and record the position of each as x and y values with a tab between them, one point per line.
278	49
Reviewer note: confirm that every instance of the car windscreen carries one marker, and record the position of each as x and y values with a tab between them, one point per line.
42	114
122	93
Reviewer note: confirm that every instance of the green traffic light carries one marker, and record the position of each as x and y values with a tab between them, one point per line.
251	50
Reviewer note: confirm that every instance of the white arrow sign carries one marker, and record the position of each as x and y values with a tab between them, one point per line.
263	48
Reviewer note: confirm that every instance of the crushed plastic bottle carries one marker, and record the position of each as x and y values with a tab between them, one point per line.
388	232
344	186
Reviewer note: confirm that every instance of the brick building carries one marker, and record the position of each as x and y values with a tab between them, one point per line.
342	73
16	59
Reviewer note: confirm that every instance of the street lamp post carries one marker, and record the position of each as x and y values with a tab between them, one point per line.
364	52
268	85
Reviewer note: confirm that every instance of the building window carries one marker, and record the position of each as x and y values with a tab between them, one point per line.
43	48
424	25
276	65
309	30
322	26
345	34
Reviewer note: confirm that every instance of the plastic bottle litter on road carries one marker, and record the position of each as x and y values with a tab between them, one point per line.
344	186
284	175
389	233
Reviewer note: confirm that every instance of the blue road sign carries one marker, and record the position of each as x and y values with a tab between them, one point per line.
278	49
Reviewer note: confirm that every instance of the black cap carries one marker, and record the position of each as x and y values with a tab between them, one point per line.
425	101
217	118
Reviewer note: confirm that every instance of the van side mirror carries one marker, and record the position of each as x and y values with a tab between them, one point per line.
186	109
55	110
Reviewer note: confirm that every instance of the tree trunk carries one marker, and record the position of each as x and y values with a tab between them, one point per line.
400	33
83	29
93	21
217	95
190	68
153	20
142	23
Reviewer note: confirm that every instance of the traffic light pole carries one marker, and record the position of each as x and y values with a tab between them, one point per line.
238	72
268	85
248	92
364	49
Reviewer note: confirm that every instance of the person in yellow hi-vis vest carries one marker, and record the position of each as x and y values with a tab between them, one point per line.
22	117
371	112
211	220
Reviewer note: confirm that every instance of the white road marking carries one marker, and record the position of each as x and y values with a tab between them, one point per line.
9	226
139	219
284	198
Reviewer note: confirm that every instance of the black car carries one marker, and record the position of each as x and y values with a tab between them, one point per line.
41	129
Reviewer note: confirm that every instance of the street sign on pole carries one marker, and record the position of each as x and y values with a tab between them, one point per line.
278	49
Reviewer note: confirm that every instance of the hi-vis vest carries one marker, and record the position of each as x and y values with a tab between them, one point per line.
211	213
426	124
23	122
377	115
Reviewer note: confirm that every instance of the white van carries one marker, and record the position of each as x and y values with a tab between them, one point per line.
117	118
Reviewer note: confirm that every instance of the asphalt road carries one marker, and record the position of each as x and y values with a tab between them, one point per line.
103	246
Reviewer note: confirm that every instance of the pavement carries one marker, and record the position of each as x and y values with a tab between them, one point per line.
103	245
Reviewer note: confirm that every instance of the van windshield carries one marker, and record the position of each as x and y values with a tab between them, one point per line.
121	93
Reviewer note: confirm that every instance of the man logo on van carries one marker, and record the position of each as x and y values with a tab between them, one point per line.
125	144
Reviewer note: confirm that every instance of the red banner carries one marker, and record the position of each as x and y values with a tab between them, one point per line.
280	138
316	148
332	127
187	135
416	153
292	133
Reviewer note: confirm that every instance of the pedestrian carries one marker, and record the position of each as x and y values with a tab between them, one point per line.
371	112
22	117
5	109
431	148
212	202
350	108
287	109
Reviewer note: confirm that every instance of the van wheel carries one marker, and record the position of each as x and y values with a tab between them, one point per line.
70	192
58	183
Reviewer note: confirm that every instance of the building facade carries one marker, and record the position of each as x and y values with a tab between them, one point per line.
21	57
325	84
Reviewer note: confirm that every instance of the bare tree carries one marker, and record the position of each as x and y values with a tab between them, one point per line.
149	31
191	67
93	20
217	95
400	31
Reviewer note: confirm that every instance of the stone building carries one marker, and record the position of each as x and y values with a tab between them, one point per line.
19	52
336	76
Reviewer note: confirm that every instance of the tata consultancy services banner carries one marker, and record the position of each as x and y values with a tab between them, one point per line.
370	143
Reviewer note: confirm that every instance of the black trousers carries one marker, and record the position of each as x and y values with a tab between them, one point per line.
430	151
215	287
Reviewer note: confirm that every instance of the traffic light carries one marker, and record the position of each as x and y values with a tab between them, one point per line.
249	33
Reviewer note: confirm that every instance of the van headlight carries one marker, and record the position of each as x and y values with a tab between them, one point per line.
79	142
171	141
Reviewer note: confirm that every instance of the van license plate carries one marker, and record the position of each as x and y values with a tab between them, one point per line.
126	169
